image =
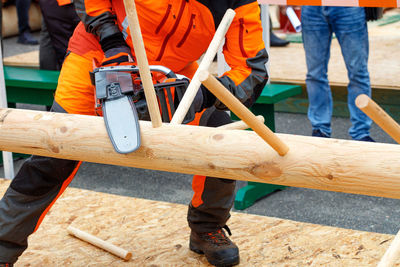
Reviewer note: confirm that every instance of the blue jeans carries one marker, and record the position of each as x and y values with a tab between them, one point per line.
23	15
350	28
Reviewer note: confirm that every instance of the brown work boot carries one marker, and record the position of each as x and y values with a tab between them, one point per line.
218	248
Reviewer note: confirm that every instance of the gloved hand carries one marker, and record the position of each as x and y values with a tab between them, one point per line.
198	101
120	55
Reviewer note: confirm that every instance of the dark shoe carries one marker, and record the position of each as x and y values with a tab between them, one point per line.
6	265
26	38
218	248
366	139
318	133
276	41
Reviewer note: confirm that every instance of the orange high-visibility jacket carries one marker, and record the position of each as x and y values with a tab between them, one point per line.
177	32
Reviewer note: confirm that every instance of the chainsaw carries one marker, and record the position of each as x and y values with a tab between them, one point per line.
120	99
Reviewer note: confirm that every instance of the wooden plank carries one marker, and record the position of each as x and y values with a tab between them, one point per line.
318	163
28	59
157	234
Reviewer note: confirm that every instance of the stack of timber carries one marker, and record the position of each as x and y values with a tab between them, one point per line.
157	235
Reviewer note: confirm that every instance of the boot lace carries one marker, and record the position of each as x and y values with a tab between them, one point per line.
218	237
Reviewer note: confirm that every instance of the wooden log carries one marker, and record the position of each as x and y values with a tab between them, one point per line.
239	125
107	246
208	58
392	253
379	116
141	58
240	110
319	163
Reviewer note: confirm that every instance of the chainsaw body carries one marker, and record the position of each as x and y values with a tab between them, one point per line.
120	98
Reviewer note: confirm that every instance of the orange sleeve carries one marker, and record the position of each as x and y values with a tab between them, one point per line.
245	53
98	17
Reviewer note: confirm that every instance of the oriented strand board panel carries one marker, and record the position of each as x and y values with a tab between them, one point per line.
157	234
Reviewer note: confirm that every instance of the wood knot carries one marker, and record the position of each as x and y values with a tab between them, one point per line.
38	117
63	129
149	153
4	116
266	170
55	149
218	137
329	176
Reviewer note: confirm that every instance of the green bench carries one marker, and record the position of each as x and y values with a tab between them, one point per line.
29	86
265	105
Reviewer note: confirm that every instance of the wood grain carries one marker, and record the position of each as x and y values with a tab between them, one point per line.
319	163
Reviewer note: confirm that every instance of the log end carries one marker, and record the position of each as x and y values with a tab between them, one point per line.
203	75
362	101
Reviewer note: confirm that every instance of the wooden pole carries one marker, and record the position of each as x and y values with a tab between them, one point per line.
141	58
379	116
391	254
208	58
107	246
239	125
7	156
319	163
240	110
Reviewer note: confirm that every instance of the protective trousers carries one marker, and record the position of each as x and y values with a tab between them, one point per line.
41	180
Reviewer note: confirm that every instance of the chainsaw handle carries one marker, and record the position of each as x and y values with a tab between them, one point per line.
132	68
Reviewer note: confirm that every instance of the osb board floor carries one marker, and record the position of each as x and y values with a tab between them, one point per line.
157	234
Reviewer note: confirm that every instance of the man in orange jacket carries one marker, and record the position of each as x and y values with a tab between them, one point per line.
176	33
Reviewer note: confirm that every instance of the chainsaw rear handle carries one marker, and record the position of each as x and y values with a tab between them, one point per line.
132	68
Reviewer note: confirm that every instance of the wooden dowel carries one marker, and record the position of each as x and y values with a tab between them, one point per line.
391	253
107	246
379	116
208	58
141	58
242	112
239	125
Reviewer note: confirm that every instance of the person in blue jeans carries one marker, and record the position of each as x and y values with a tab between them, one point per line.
350	27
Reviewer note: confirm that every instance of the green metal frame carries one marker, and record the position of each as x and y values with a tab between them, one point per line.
272	93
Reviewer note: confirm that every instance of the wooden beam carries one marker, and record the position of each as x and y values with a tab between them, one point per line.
319	163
